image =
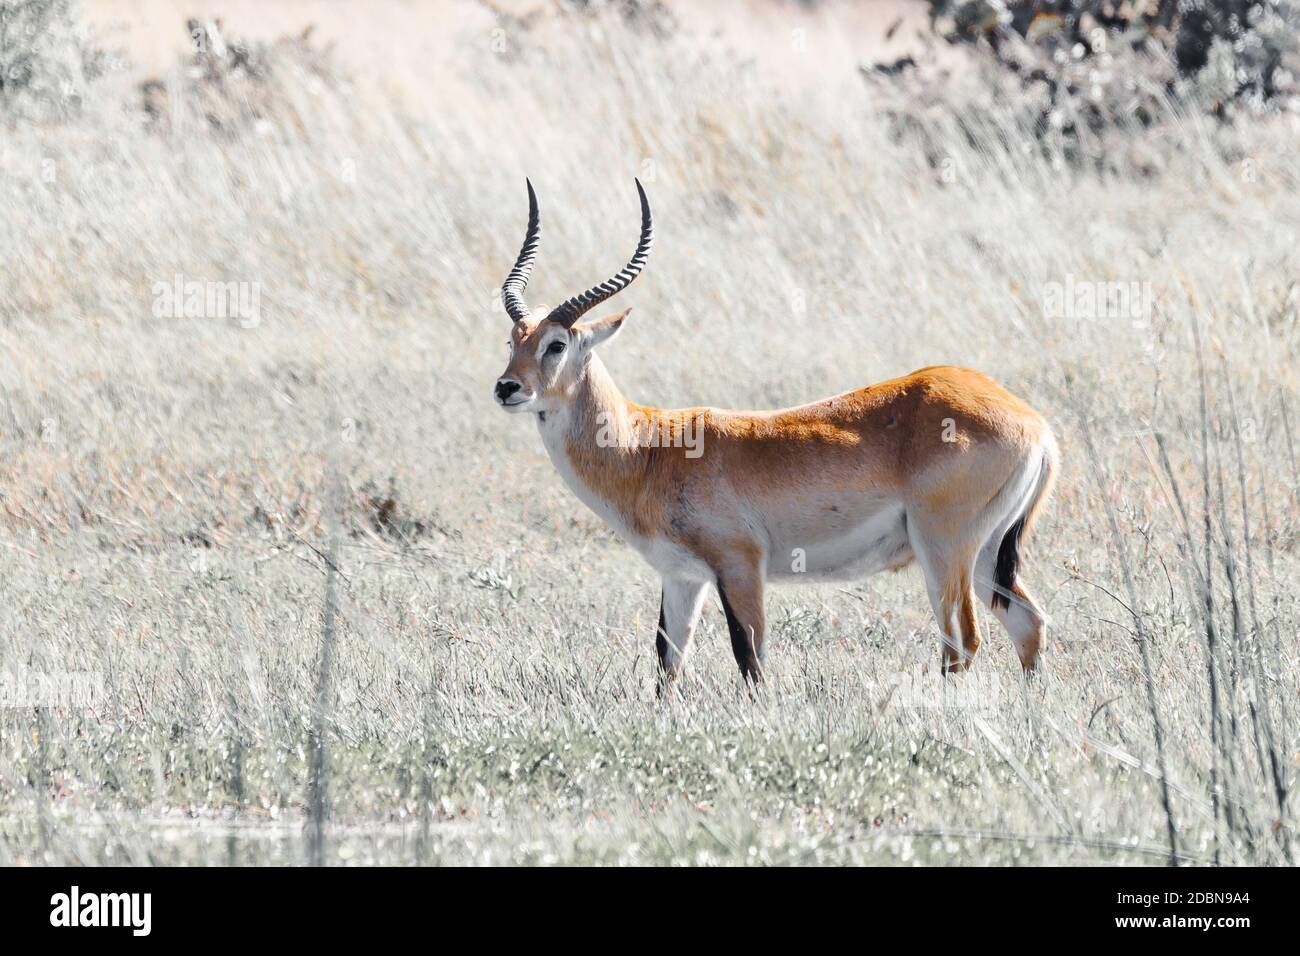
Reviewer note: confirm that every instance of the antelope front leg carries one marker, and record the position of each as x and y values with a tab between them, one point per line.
741	590
679	610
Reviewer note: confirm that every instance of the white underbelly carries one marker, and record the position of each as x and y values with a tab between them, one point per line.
875	543
834	543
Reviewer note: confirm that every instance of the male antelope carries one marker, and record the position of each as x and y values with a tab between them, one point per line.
942	466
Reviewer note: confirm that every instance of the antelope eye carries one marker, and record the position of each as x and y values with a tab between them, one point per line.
555	348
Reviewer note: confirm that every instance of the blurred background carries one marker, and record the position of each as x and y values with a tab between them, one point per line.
279	583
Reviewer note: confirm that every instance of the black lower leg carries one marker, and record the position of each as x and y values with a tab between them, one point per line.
661	637
742	642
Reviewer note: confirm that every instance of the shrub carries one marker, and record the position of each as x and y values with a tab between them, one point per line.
46	61
229	85
1247	50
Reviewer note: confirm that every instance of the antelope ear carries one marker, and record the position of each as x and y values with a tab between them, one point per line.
600	330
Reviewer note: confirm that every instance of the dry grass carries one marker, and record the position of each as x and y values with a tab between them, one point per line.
166	511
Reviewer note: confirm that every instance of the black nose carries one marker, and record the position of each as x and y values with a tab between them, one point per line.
506	388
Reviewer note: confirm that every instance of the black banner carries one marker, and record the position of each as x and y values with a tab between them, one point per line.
308	905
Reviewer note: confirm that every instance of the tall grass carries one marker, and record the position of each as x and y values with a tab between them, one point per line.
480	686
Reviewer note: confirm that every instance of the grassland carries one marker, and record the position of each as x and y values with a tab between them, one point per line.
336	607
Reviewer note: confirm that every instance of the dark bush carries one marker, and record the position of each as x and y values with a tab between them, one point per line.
228	85
46	61
1250	45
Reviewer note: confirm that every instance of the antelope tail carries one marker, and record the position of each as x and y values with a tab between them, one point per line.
1008	562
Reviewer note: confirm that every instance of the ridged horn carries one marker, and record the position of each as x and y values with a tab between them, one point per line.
512	290
571	311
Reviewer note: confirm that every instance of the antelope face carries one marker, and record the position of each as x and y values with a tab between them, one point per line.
549	355
547	359
541	367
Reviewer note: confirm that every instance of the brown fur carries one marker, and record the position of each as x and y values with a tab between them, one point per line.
885	438
943	442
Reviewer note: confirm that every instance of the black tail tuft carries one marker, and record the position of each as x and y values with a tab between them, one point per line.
1004	574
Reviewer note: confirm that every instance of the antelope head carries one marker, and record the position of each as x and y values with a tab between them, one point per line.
549	354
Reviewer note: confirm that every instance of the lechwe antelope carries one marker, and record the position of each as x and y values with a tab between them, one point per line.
942	466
